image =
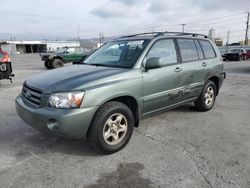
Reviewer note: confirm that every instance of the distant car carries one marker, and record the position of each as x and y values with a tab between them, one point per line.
5	66
64	55
237	54
248	54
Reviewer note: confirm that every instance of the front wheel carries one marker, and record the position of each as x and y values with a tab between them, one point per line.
111	128
56	63
207	98
47	64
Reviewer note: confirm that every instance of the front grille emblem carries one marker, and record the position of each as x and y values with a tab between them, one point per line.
27	94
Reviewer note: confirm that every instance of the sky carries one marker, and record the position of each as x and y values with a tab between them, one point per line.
55	19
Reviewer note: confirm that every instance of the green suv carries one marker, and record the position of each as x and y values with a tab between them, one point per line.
130	78
64	55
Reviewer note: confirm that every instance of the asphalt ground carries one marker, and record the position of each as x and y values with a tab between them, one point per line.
178	148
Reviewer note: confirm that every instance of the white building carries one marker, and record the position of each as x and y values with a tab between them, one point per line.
20	47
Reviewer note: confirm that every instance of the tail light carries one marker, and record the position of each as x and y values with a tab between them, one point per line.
5	58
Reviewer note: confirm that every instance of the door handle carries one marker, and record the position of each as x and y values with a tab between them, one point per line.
177	69
204	64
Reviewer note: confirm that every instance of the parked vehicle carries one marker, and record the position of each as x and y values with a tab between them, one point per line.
247	54
130	78
5	66
64	55
237	54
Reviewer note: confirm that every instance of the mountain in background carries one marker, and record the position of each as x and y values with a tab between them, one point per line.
87	43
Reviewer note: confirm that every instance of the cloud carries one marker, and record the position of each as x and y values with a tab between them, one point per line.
114	17
223	4
108	12
157	7
129	2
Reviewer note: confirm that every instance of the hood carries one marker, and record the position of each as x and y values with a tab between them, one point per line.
70	78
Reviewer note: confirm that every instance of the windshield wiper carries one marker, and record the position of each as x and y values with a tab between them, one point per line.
103	65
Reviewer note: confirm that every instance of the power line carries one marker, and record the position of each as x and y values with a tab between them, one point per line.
216	18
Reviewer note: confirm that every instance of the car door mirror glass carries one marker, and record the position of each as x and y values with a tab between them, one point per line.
153	63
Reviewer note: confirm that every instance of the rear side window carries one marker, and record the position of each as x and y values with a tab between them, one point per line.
188	50
207	49
164	49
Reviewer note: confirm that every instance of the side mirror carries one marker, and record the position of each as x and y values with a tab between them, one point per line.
153	63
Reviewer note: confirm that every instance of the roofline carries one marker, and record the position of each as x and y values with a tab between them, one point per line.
165	33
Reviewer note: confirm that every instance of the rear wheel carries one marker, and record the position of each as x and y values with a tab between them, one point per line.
111	128
47	64
207	98
56	63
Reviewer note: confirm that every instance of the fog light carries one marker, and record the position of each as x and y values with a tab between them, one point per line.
52	124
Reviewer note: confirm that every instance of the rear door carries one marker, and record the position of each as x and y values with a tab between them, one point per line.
210	62
161	86
193	72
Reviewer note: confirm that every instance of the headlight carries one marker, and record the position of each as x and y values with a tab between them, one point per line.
66	100
50	57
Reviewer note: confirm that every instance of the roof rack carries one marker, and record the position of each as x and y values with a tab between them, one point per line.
138	34
157	34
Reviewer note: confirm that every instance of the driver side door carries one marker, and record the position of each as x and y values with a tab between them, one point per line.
162	86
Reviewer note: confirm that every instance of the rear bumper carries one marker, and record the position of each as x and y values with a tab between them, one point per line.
72	124
222	77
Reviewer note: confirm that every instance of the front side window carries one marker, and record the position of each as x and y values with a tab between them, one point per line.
122	54
207	49
188	50
164	49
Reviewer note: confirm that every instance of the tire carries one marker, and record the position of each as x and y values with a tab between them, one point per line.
106	121
57	63
204	103
47	64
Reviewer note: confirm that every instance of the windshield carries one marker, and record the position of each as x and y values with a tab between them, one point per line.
122	54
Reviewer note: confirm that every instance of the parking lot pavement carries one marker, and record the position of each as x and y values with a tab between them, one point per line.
179	148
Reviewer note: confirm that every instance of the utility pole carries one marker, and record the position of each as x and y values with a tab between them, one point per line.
228	36
183	27
101	38
153	29
78	32
247	28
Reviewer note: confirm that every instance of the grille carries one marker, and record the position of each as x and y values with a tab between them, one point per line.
32	95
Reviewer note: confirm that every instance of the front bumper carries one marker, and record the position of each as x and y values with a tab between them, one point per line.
72	124
6	71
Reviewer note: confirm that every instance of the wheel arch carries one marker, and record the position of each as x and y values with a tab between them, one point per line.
128	100
132	103
57	57
216	81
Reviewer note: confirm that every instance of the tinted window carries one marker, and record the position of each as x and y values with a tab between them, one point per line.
207	49
164	49
199	50
187	49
